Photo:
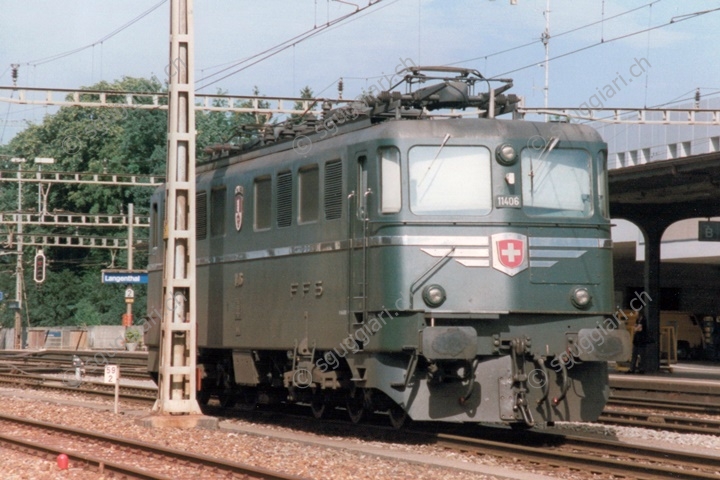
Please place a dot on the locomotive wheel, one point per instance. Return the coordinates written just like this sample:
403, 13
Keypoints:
227, 399
398, 416
319, 406
355, 404
203, 397
248, 400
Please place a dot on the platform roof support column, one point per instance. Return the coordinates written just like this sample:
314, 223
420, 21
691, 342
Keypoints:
653, 237
177, 382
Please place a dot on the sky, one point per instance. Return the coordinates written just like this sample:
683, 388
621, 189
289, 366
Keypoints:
664, 65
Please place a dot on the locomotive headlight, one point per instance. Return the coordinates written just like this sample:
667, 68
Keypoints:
581, 297
434, 296
505, 154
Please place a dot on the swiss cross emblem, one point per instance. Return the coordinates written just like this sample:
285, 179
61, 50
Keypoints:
509, 253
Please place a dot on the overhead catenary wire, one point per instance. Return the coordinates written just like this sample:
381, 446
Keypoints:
567, 32
528, 44
58, 56
672, 21
272, 51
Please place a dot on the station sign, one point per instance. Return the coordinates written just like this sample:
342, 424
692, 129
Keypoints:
709, 231
124, 276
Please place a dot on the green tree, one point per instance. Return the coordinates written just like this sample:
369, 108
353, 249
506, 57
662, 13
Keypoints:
307, 93
96, 140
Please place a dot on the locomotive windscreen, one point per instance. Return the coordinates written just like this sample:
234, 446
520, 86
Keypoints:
450, 180
557, 183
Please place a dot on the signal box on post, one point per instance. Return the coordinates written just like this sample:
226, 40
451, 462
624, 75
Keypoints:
39, 270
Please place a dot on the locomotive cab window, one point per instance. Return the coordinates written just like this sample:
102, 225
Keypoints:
450, 180
309, 191
556, 183
603, 197
391, 185
262, 214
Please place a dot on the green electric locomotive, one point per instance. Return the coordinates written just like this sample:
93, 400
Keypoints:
381, 259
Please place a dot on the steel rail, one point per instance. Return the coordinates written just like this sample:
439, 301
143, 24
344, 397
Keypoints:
204, 461
98, 389
597, 457
657, 421
669, 405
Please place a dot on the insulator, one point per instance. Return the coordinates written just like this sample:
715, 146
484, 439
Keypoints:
15, 68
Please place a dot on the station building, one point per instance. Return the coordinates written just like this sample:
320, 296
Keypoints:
690, 268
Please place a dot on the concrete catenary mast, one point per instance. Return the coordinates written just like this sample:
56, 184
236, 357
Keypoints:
177, 370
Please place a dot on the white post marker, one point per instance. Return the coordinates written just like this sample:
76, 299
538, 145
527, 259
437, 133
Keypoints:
112, 375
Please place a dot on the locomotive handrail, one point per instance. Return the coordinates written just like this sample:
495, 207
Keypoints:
445, 258
351, 238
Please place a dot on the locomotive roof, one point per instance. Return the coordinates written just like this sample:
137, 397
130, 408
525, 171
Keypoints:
393, 114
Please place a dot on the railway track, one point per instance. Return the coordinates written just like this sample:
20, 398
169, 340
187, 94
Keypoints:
581, 456
133, 365
140, 460
661, 421
631, 417
136, 393
574, 455
559, 452
667, 405
546, 452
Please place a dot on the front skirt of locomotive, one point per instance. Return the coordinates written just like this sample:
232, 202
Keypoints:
517, 387
495, 397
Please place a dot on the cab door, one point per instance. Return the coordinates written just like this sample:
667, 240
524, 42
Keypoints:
358, 218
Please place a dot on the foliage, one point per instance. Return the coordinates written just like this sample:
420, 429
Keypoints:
96, 140
227, 127
306, 92
132, 335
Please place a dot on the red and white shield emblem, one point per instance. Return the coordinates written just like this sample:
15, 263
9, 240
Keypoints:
509, 252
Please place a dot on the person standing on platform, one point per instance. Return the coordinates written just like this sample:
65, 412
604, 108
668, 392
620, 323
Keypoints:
640, 340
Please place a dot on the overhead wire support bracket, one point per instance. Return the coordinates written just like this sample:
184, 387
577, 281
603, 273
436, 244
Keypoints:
64, 241
60, 97
62, 219
630, 116
115, 179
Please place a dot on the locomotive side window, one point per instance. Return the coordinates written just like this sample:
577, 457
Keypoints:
603, 197
201, 215
333, 190
391, 185
556, 182
284, 199
309, 191
451, 180
262, 202
362, 187
217, 212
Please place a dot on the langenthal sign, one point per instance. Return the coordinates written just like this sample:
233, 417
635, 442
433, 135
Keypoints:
124, 276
